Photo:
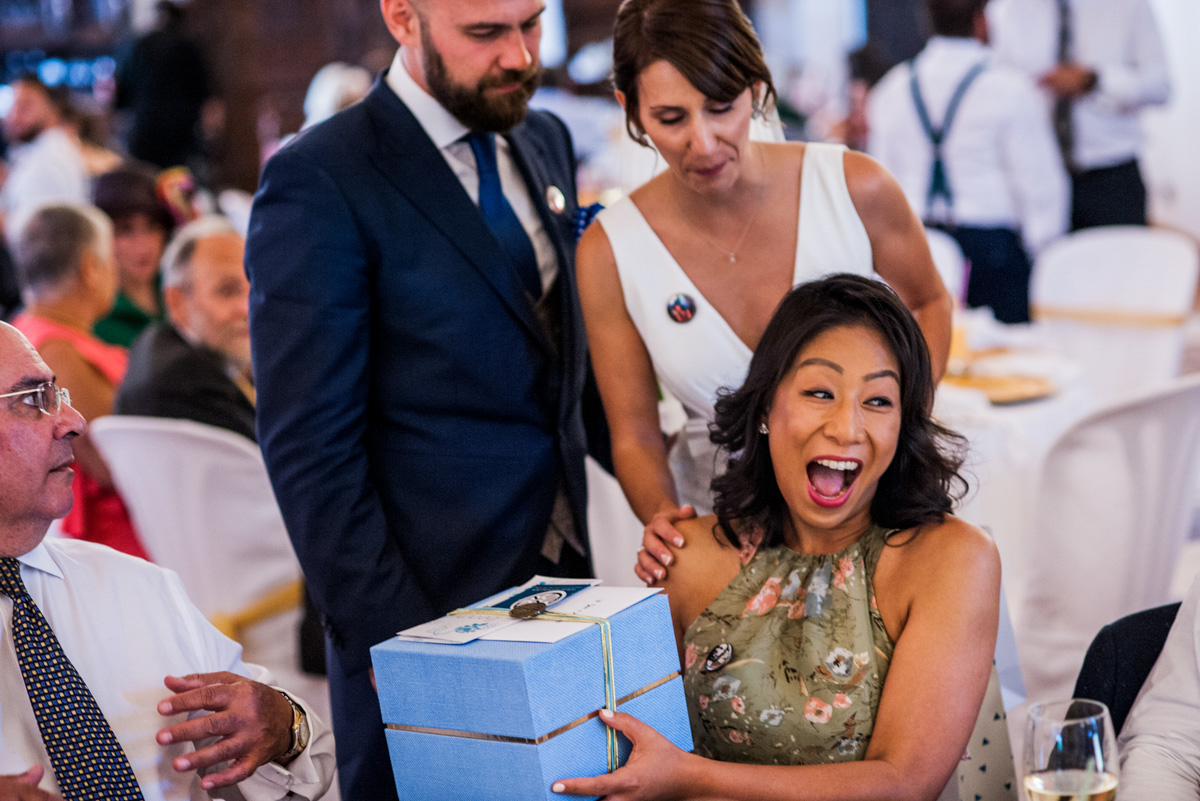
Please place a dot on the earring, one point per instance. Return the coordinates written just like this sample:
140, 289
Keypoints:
762, 428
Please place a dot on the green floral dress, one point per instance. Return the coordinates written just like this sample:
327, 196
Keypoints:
786, 666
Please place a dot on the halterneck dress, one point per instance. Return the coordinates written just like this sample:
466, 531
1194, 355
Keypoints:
786, 666
696, 357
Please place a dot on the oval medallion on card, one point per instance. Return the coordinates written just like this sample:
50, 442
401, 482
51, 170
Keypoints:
681, 308
527, 611
718, 657
555, 199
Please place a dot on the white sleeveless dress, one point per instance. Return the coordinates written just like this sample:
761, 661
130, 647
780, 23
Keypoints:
693, 360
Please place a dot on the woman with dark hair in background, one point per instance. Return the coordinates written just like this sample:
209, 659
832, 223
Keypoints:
679, 279
142, 224
836, 623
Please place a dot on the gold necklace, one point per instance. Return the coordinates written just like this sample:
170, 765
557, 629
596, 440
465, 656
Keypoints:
730, 253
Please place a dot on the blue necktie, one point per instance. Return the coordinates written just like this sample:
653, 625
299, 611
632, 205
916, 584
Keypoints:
87, 759
499, 215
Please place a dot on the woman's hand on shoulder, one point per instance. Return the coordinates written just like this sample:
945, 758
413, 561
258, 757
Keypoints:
658, 538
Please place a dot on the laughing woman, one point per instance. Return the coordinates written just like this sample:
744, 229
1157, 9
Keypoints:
836, 623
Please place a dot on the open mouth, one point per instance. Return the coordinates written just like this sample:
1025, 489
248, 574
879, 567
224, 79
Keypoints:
65, 466
830, 480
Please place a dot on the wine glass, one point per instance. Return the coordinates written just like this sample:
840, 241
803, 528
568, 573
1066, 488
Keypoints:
1070, 752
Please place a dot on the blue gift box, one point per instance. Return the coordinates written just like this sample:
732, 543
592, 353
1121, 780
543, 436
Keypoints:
501, 720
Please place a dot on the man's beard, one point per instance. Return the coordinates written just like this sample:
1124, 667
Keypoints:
471, 105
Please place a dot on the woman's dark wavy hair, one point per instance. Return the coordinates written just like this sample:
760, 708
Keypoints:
710, 42
921, 484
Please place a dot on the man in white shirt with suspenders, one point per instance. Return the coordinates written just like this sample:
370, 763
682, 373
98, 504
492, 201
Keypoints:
974, 151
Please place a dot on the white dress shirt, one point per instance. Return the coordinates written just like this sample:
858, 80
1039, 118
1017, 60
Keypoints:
1119, 39
1001, 158
49, 169
1160, 741
125, 624
447, 132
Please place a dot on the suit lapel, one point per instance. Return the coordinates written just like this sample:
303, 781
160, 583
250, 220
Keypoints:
531, 159
409, 161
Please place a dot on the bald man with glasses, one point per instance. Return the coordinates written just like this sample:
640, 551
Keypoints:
112, 685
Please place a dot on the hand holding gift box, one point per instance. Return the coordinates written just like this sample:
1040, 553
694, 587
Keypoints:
506, 716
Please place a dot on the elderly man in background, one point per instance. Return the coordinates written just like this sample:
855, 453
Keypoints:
1100, 63
47, 164
144, 690
196, 366
972, 147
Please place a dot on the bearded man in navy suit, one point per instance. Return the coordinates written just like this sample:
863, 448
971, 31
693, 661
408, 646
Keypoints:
418, 345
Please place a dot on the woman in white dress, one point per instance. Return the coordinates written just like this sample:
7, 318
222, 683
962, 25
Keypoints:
680, 278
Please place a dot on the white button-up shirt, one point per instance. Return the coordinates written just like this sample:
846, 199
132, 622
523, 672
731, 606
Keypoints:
1001, 158
125, 624
446, 132
49, 169
1119, 39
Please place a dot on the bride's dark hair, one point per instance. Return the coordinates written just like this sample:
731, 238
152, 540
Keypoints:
921, 484
710, 42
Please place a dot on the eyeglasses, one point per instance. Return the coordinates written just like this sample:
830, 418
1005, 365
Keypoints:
47, 397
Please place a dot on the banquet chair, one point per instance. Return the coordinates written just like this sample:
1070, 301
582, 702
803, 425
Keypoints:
1121, 657
203, 507
1112, 502
950, 262
1116, 299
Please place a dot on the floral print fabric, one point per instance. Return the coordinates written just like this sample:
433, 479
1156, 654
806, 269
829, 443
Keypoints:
808, 662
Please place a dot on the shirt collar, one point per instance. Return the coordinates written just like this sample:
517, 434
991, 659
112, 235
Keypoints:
440, 125
961, 44
40, 559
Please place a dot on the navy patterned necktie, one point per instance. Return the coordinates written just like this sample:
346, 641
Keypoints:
499, 215
87, 759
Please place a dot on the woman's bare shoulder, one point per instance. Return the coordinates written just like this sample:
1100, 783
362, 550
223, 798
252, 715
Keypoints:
700, 569
952, 553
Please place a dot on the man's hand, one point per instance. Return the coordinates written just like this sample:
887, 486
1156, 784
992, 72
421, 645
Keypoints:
25, 786
654, 556
1069, 80
253, 724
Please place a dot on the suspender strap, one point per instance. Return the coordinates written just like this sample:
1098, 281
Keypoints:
939, 183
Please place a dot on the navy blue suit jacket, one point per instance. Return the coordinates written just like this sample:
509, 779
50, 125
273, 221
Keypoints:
414, 418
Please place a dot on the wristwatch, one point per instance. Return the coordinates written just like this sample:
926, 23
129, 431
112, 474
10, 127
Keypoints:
300, 731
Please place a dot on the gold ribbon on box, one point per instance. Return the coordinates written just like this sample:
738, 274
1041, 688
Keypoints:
610, 689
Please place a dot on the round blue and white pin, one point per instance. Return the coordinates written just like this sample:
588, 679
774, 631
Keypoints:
681, 308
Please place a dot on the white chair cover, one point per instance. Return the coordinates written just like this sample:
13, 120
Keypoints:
203, 507
1112, 512
1116, 298
950, 262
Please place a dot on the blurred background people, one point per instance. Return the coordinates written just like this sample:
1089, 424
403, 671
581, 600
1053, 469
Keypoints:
196, 364
972, 148
1100, 63
680, 278
69, 280
336, 86
46, 165
163, 83
141, 224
